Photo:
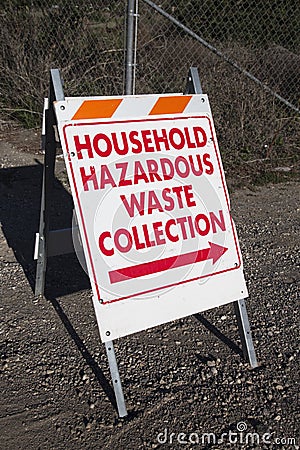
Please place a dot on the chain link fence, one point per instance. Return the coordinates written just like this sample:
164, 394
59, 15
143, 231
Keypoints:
85, 39
247, 54
261, 38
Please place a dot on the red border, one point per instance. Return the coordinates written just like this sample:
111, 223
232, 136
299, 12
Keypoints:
81, 213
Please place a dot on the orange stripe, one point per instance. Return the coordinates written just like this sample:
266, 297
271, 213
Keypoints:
97, 109
170, 105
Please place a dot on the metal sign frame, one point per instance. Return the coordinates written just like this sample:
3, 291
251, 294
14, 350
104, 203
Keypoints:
57, 242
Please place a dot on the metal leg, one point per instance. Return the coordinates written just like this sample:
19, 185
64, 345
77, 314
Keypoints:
41, 250
245, 332
49, 145
193, 85
48, 177
114, 371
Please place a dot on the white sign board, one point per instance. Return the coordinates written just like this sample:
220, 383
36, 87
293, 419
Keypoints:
152, 208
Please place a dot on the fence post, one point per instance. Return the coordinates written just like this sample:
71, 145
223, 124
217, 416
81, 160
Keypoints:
130, 44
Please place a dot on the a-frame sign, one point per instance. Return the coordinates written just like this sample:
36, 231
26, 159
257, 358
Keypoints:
152, 209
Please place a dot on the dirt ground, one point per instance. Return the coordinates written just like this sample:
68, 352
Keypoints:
185, 383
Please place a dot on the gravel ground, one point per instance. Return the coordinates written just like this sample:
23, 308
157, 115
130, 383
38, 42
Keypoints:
177, 378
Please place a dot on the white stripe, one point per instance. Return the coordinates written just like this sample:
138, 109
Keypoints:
135, 107
196, 105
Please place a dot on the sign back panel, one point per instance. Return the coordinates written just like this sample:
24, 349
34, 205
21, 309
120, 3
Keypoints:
152, 208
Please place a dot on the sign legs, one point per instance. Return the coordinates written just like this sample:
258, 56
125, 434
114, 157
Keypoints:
115, 376
245, 332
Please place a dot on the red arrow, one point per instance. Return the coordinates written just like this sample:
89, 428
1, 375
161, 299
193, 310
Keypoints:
214, 252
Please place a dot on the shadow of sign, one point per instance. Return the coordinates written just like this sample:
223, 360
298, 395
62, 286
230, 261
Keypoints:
20, 191
226, 340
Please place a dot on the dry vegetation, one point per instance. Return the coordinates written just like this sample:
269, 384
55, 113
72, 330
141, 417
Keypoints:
257, 134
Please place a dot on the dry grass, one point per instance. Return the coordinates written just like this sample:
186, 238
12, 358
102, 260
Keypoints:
256, 133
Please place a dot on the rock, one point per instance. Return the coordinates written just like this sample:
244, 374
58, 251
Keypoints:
211, 363
88, 426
